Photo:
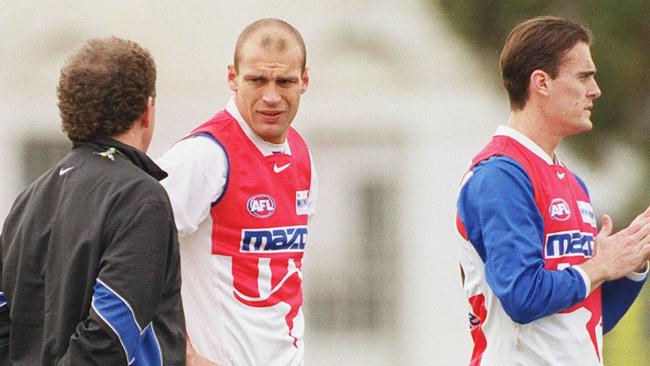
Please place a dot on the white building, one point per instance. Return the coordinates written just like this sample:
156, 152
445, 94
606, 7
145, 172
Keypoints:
395, 109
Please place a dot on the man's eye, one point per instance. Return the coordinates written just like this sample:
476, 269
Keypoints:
586, 77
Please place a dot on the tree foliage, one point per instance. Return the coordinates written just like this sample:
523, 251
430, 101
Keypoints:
621, 51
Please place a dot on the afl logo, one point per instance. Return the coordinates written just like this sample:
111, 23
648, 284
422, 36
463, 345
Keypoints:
559, 210
261, 205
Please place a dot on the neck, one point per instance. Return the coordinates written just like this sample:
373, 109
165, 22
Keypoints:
133, 137
536, 129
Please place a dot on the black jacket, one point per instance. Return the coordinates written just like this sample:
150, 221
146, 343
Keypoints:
90, 264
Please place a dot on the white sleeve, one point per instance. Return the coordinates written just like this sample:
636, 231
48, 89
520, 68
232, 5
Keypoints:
197, 168
312, 200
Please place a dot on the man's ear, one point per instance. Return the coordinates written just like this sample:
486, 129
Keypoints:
305, 80
232, 77
148, 115
540, 83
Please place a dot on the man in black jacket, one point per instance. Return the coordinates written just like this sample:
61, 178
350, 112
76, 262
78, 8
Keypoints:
90, 264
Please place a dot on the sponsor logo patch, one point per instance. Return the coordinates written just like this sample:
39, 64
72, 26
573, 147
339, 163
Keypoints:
276, 239
587, 213
559, 210
302, 202
569, 244
261, 205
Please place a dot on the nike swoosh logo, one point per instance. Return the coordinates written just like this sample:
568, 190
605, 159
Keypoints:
278, 169
560, 175
63, 171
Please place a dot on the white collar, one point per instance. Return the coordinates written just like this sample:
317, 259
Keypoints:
265, 147
528, 143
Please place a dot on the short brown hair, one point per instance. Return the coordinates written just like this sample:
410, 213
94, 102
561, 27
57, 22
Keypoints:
270, 40
103, 88
537, 44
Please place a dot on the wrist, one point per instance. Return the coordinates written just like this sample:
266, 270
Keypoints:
639, 274
596, 272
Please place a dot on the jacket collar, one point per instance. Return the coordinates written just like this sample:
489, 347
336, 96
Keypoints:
135, 156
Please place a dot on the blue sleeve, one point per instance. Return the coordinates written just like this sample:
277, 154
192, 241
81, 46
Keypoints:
498, 209
617, 297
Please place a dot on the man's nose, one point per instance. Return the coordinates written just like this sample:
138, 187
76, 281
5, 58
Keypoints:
271, 94
594, 90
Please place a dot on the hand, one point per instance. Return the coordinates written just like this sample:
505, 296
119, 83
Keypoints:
644, 266
619, 254
192, 358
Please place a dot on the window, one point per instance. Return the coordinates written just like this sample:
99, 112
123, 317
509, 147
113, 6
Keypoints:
353, 255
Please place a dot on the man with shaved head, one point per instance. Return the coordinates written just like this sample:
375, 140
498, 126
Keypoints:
242, 187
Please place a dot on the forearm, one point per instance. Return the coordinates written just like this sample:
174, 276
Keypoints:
599, 274
534, 293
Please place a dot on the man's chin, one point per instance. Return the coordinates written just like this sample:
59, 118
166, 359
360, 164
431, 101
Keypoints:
584, 127
273, 135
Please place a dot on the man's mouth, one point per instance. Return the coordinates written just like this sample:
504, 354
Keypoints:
270, 114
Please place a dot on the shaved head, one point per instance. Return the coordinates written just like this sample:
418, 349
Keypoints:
270, 33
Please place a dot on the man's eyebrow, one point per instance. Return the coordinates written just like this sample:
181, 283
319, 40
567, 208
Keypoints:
288, 78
